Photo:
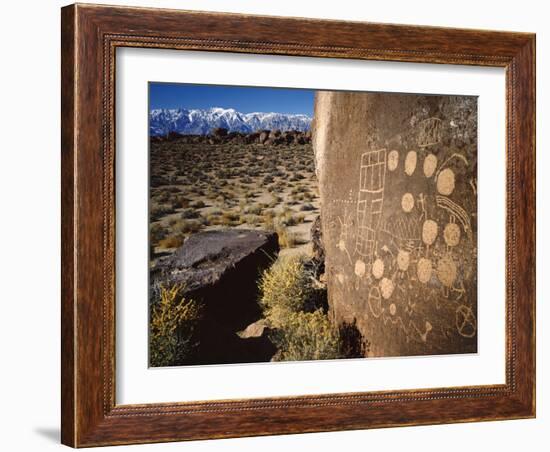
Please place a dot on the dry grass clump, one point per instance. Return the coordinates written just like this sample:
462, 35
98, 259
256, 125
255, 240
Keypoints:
287, 239
172, 241
158, 211
286, 290
230, 219
172, 327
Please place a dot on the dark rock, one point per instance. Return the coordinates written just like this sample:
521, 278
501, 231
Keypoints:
317, 244
252, 138
220, 269
274, 133
219, 132
389, 166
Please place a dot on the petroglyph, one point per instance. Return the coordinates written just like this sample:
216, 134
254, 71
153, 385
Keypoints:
456, 212
369, 205
393, 160
410, 163
446, 270
407, 242
378, 268
424, 270
386, 287
429, 232
451, 234
360, 268
446, 182
430, 164
466, 323
429, 132
403, 260
407, 202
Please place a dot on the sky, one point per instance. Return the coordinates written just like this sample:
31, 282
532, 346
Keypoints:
243, 99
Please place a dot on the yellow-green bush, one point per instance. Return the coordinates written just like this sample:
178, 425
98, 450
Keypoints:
284, 288
306, 336
172, 327
286, 291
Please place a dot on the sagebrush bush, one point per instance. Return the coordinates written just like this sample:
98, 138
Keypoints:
285, 287
306, 336
172, 327
287, 292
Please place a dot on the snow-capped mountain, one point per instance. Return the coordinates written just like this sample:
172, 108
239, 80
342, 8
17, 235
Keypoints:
202, 122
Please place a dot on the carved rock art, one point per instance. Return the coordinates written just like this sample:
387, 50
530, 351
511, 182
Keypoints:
446, 182
393, 160
410, 163
430, 165
401, 254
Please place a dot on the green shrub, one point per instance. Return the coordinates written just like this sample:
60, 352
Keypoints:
287, 293
306, 336
284, 287
172, 327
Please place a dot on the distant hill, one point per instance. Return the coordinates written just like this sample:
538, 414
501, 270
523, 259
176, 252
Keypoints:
202, 122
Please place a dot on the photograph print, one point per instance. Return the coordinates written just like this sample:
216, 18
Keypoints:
297, 225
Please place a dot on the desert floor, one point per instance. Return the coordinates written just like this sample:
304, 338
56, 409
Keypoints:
199, 187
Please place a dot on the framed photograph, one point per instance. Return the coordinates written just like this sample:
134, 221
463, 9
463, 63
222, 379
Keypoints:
281, 225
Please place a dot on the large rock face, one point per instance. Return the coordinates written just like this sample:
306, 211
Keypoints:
398, 177
221, 270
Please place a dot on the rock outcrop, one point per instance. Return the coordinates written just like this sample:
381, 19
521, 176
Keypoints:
397, 177
222, 136
220, 269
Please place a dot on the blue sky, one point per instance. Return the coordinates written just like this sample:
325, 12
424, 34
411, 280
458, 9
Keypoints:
243, 99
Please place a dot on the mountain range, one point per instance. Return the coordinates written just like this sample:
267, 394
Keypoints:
202, 122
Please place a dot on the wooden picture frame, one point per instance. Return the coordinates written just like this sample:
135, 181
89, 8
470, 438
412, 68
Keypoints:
90, 36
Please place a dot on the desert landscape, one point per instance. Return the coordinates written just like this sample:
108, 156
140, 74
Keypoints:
260, 181
276, 237
262, 296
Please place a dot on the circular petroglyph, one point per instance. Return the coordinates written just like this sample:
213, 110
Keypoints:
429, 232
386, 287
410, 163
466, 323
407, 202
393, 160
446, 270
446, 182
378, 268
360, 268
430, 164
424, 270
375, 302
403, 260
393, 309
451, 234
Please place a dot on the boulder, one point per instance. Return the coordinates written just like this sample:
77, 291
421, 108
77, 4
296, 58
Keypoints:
256, 329
397, 175
264, 135
220, 269
219, 132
